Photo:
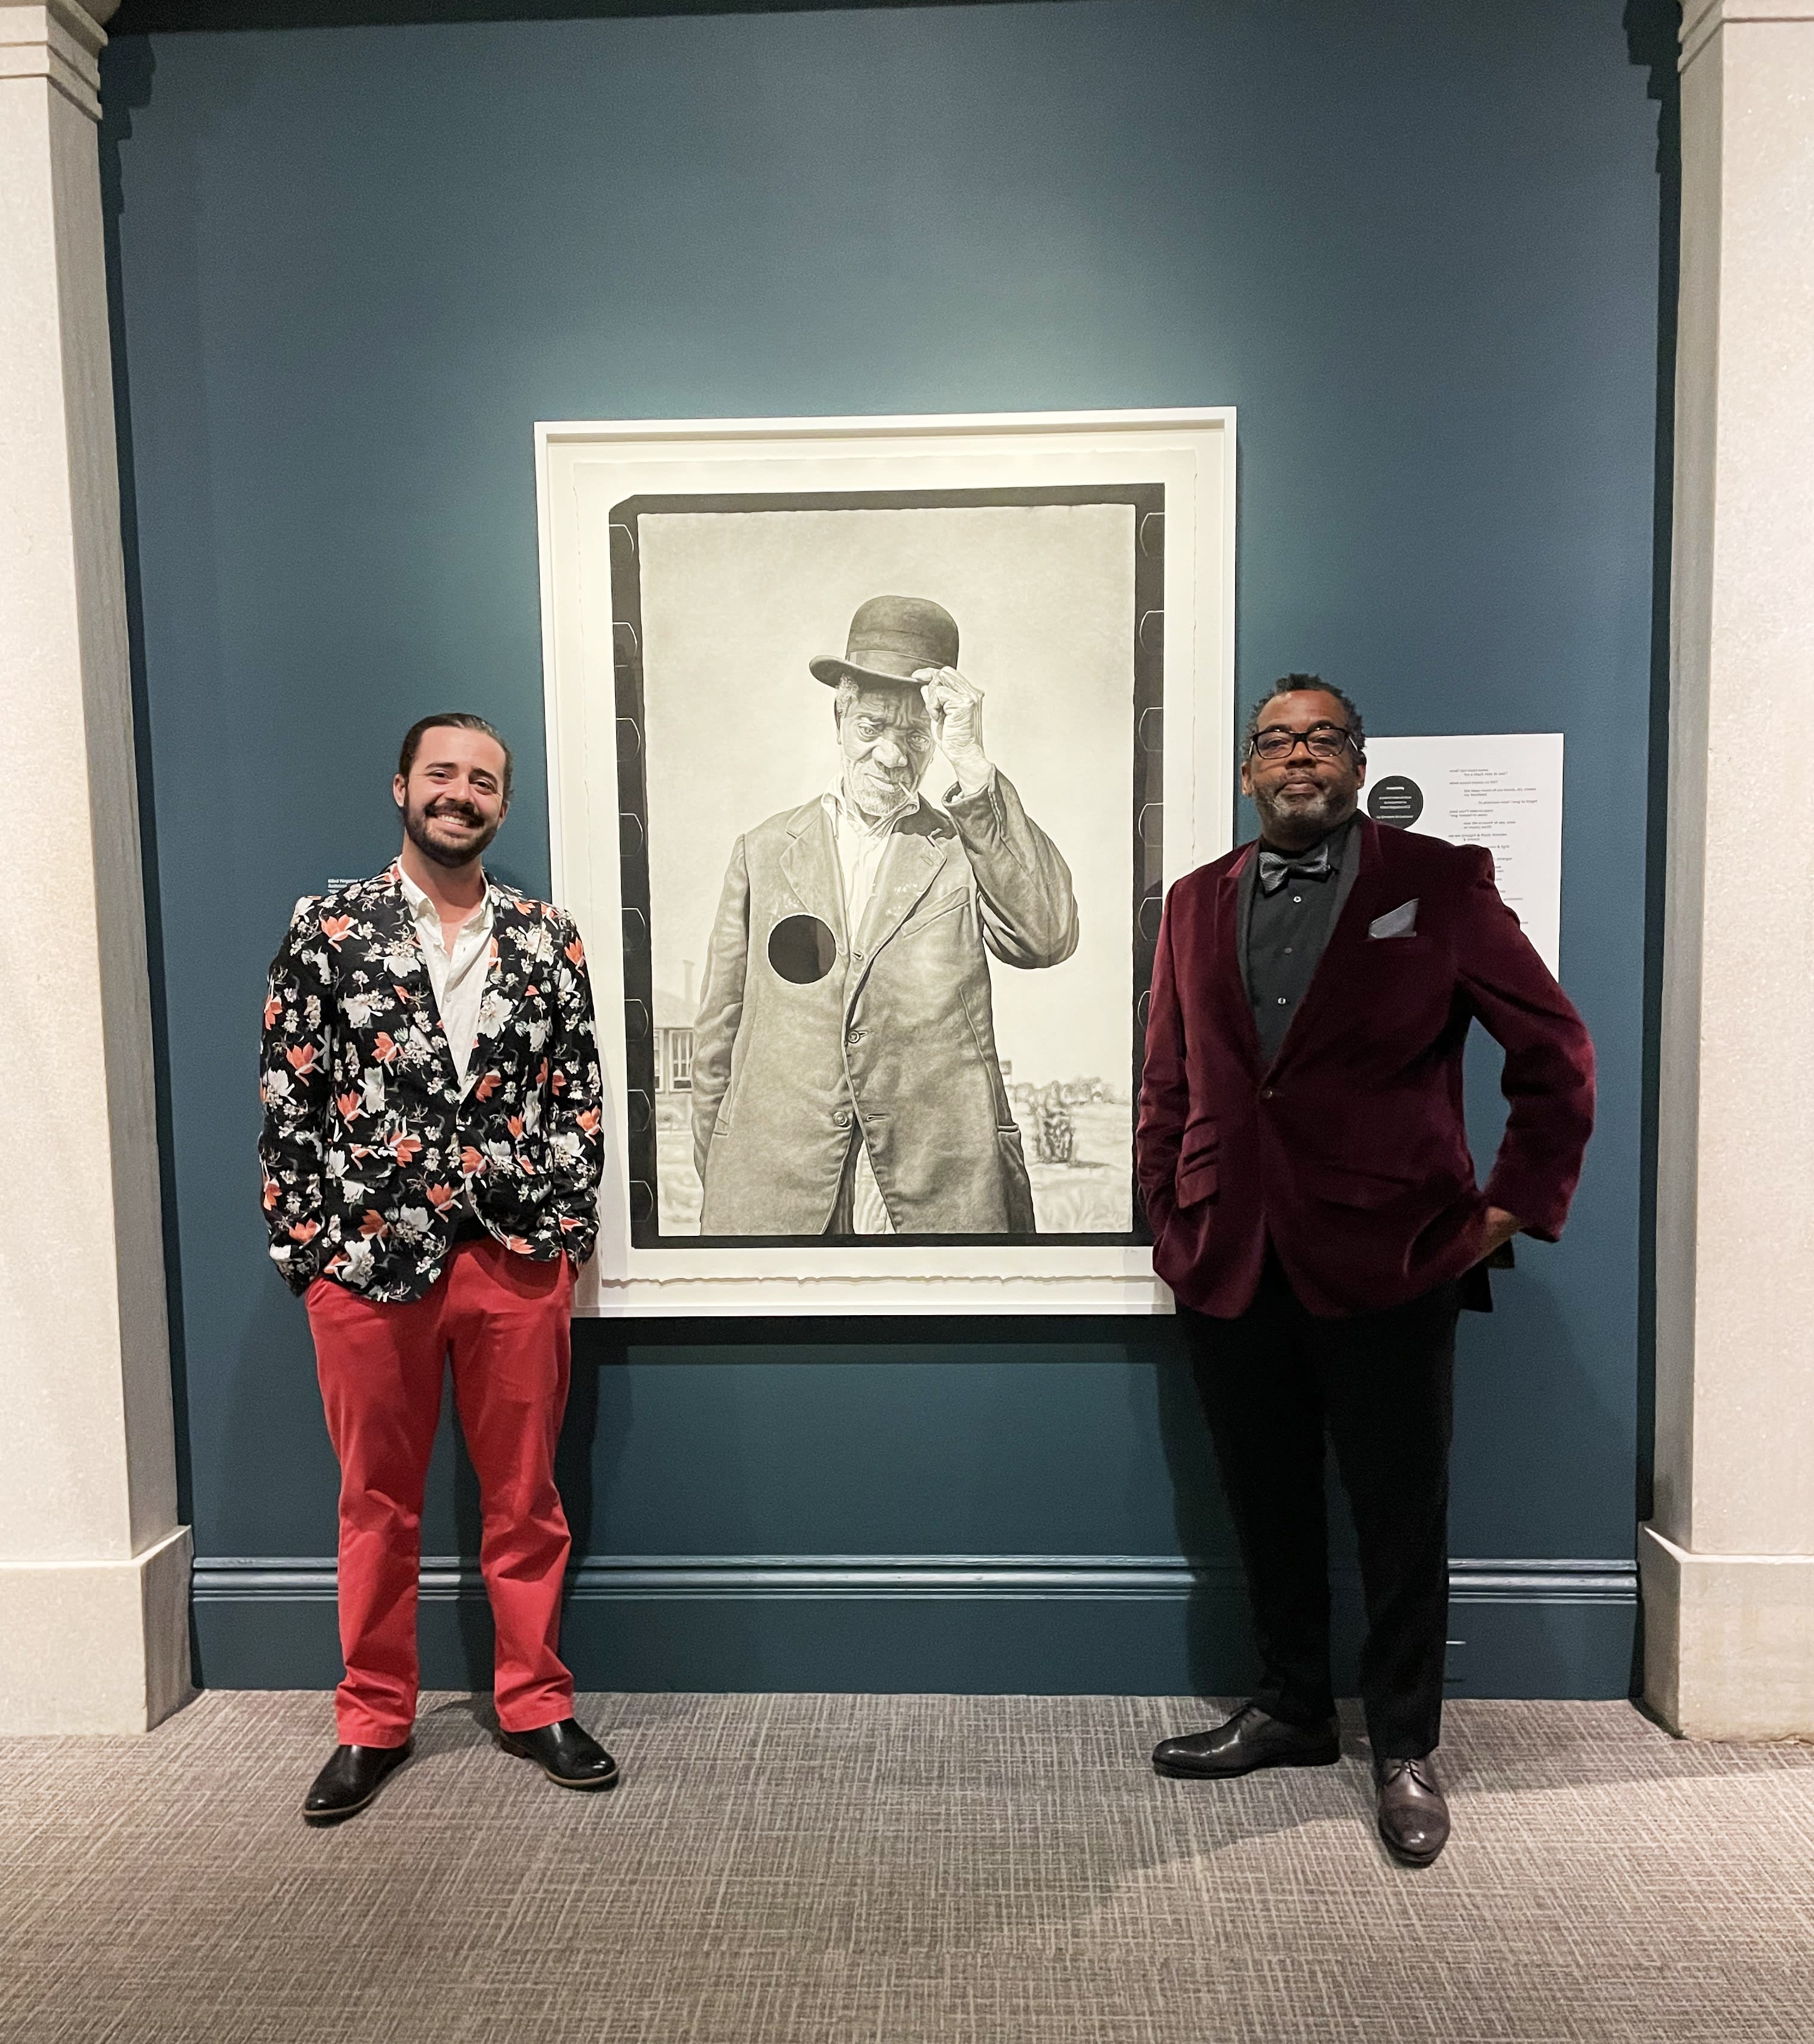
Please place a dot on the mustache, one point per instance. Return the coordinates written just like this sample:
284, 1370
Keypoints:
449, 808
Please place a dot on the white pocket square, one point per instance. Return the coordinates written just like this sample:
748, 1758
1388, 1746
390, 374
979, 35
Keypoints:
1401, 922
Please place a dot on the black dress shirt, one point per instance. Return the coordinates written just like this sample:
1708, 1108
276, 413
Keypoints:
1286, 933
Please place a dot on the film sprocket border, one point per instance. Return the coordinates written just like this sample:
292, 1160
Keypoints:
1145, 822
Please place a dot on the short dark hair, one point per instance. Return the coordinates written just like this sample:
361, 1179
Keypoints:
1291, 685
454, 720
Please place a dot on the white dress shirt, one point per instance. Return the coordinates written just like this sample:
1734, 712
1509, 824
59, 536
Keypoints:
861, 846
458, 976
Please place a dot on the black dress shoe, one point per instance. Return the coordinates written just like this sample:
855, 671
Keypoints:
566, 1753
354, 1774
1414, 1818
1248, 1741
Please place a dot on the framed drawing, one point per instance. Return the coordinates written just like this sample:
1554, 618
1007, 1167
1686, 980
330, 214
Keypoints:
873, 744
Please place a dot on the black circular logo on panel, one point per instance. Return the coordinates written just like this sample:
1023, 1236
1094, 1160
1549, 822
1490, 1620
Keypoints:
1397, 800
802, 949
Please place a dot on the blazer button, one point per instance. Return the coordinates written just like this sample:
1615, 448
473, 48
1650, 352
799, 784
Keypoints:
1265, 1093
842, 1117
855, 1036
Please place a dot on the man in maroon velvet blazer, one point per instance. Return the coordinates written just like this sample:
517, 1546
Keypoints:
1306, 1172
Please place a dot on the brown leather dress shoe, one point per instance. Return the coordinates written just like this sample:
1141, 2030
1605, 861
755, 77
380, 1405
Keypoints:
1246, 1742
1414, 1818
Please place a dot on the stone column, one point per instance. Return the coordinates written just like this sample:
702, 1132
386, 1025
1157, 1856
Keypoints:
1728, 1562
93, 1566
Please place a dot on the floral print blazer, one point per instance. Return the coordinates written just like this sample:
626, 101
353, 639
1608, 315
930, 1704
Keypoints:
368, 1148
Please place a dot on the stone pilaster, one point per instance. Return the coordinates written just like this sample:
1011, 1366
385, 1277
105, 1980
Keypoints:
1728, 1560
93, 1566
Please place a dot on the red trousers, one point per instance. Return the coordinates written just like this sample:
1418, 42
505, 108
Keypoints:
506, 1321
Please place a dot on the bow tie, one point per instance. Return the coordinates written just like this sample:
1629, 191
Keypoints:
1277, 867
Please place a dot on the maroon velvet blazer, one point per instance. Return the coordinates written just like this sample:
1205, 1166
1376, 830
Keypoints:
1350, 1150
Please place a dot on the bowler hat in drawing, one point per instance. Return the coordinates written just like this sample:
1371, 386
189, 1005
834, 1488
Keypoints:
892, 637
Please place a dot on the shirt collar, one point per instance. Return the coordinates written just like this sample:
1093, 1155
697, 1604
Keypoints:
1336, 841
423, 910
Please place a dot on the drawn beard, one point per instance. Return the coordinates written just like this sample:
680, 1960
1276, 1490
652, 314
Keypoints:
417, 827
874, 792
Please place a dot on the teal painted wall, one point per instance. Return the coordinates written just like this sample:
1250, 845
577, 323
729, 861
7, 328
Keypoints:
1417, 245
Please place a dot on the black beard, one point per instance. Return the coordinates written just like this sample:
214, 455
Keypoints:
416, 828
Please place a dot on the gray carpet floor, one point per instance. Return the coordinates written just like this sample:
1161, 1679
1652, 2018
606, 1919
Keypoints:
849, 1869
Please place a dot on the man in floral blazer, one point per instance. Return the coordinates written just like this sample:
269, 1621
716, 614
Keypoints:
431, 1156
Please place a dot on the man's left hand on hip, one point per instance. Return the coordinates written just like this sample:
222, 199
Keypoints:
1497, 1227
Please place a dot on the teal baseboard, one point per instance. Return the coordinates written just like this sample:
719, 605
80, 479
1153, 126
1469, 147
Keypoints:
1138, 1625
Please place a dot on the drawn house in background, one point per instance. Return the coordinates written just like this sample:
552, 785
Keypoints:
674, 1019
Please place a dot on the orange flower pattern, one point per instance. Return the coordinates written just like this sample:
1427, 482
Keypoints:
352, 1039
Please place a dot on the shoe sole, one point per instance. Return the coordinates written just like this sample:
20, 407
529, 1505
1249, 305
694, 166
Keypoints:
563, 1781
325, 1819
1180, 1773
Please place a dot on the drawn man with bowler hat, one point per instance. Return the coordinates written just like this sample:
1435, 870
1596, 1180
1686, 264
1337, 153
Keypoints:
845, 1079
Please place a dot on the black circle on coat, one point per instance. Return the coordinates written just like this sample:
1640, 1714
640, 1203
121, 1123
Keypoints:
802, 949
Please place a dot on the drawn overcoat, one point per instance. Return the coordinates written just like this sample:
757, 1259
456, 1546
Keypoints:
895, 1036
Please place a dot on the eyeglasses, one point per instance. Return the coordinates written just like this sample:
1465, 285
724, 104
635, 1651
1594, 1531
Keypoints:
1321, 741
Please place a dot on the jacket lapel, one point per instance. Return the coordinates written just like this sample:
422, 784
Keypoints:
508, 915
1235, 896
913, 858
809, 865
1247, 879
399, 959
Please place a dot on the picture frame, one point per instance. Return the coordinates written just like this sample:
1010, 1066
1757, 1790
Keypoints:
698, 579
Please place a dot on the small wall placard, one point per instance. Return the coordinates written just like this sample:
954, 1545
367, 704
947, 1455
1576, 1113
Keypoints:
1504, 792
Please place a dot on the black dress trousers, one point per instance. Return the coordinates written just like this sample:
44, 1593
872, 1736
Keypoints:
1381, 1386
